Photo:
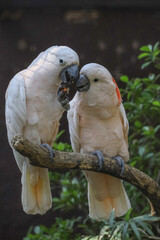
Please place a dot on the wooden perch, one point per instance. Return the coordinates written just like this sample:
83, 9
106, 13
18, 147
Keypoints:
39, 156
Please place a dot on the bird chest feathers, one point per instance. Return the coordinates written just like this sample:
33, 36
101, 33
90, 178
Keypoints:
44, 123
105, 134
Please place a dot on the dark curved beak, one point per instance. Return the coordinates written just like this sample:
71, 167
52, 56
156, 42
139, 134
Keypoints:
83, 83
69, 74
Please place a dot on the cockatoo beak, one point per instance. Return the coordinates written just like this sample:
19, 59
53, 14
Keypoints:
69, 74
83, 83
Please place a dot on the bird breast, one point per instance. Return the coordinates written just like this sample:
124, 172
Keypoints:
97, 134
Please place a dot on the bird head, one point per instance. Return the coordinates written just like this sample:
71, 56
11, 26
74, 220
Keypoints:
67, 62
97, 86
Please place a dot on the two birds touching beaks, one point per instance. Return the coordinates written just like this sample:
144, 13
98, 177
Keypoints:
35, 101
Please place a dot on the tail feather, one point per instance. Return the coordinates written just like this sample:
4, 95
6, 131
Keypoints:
104, 194
43, 191
36, 193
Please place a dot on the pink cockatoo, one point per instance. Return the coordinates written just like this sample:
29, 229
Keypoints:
32, 109
98, 125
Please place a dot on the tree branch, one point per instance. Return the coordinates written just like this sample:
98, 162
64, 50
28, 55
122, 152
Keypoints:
39, 156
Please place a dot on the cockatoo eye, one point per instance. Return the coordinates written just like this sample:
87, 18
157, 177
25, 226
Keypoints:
61, 61
96, 80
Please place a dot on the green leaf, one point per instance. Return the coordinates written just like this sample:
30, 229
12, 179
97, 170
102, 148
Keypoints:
135, 230
156, 53
157, 128
138, 124
145, 128
156, 103
124, 234
111, 218
145, 64
117, 230
150, 47
59, 134
147, 217
37, 230
145, 49
142, 55
141, 150
149, 155
26, 238
147, 96
155, 46
133, 163
157, 77
151, 76
157, 65
127, 216
124, 78
145, 227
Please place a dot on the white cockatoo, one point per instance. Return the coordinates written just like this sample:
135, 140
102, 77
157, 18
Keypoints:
33, 110
97, 121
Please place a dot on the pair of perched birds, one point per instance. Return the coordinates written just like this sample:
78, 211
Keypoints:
35, 102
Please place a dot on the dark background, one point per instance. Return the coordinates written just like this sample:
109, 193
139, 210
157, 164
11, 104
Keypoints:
106, 32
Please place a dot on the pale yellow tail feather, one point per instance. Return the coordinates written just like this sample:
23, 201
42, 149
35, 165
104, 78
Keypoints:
36, 193
105, 195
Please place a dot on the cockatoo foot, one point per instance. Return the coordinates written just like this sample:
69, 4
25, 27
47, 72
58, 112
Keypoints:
100, 157
48, 147
62, 96
120, 162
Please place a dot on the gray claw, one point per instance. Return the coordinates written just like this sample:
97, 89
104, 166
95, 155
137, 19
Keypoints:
63, 97
100, 157
65, 104
48, 147
121, 163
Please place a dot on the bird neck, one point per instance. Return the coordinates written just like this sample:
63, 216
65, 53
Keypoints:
96, 111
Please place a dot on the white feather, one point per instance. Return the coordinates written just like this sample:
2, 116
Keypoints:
73, 121
15, 111
125, 122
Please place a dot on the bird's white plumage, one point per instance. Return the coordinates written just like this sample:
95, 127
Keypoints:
16, 112
98, 122
124, 122
33, 110
73, 121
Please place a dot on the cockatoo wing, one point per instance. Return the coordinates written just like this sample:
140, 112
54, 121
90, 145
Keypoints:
36, 194
73, 121
15, 111
124, 122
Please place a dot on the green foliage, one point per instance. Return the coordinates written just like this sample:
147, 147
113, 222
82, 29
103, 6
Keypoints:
61, 229
60, 146
72, 192
142, 103
128, 228
151, 54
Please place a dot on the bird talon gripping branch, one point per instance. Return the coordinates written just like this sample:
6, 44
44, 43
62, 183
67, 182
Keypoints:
121, 163
50, 150
100, 157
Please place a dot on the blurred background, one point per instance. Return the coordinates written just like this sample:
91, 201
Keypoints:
109, 32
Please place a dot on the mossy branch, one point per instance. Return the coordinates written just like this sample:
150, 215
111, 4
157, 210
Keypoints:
39, 156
